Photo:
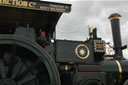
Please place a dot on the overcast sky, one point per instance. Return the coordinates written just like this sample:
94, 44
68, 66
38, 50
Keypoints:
95, 13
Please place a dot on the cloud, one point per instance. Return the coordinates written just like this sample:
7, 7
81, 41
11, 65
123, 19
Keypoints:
74, 26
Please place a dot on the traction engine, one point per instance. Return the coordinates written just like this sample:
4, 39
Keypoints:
29, 57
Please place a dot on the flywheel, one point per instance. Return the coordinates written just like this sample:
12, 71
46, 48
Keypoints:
24, 62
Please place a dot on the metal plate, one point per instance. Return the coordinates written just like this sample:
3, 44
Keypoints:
82, 51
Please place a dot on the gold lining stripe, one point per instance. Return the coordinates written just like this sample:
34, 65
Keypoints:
120, 70
115, 17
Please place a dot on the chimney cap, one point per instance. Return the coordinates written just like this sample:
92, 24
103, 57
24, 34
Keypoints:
114, 16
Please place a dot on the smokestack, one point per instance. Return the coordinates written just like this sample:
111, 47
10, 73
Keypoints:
115, 24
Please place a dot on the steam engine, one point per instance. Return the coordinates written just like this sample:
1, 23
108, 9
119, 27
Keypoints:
30, 54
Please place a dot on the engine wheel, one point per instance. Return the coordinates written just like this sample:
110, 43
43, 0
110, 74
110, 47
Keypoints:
24, 62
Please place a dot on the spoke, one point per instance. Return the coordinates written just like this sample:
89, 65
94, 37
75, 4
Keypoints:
27, 79
33, 66
17, 69
2, 68
13, 54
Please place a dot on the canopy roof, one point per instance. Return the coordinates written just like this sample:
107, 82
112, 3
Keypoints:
37, 14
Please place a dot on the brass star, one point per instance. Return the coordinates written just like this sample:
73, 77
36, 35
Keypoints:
82, 51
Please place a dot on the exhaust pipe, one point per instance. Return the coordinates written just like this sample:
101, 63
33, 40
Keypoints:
115, 24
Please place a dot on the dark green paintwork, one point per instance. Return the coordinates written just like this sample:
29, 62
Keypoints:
36, 49
83, 77
110, 67
66, 51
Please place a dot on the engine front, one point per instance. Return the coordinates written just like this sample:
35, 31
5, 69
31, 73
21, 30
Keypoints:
86, 61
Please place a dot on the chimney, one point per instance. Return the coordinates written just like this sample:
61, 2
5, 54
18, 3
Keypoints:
115, 24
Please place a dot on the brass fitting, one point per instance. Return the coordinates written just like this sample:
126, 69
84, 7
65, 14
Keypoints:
66, 67
90, 31
114, 16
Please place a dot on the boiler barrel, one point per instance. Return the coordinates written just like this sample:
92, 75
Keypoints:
117, 69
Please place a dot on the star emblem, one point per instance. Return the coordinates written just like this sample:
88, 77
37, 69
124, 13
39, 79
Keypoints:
82, 51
